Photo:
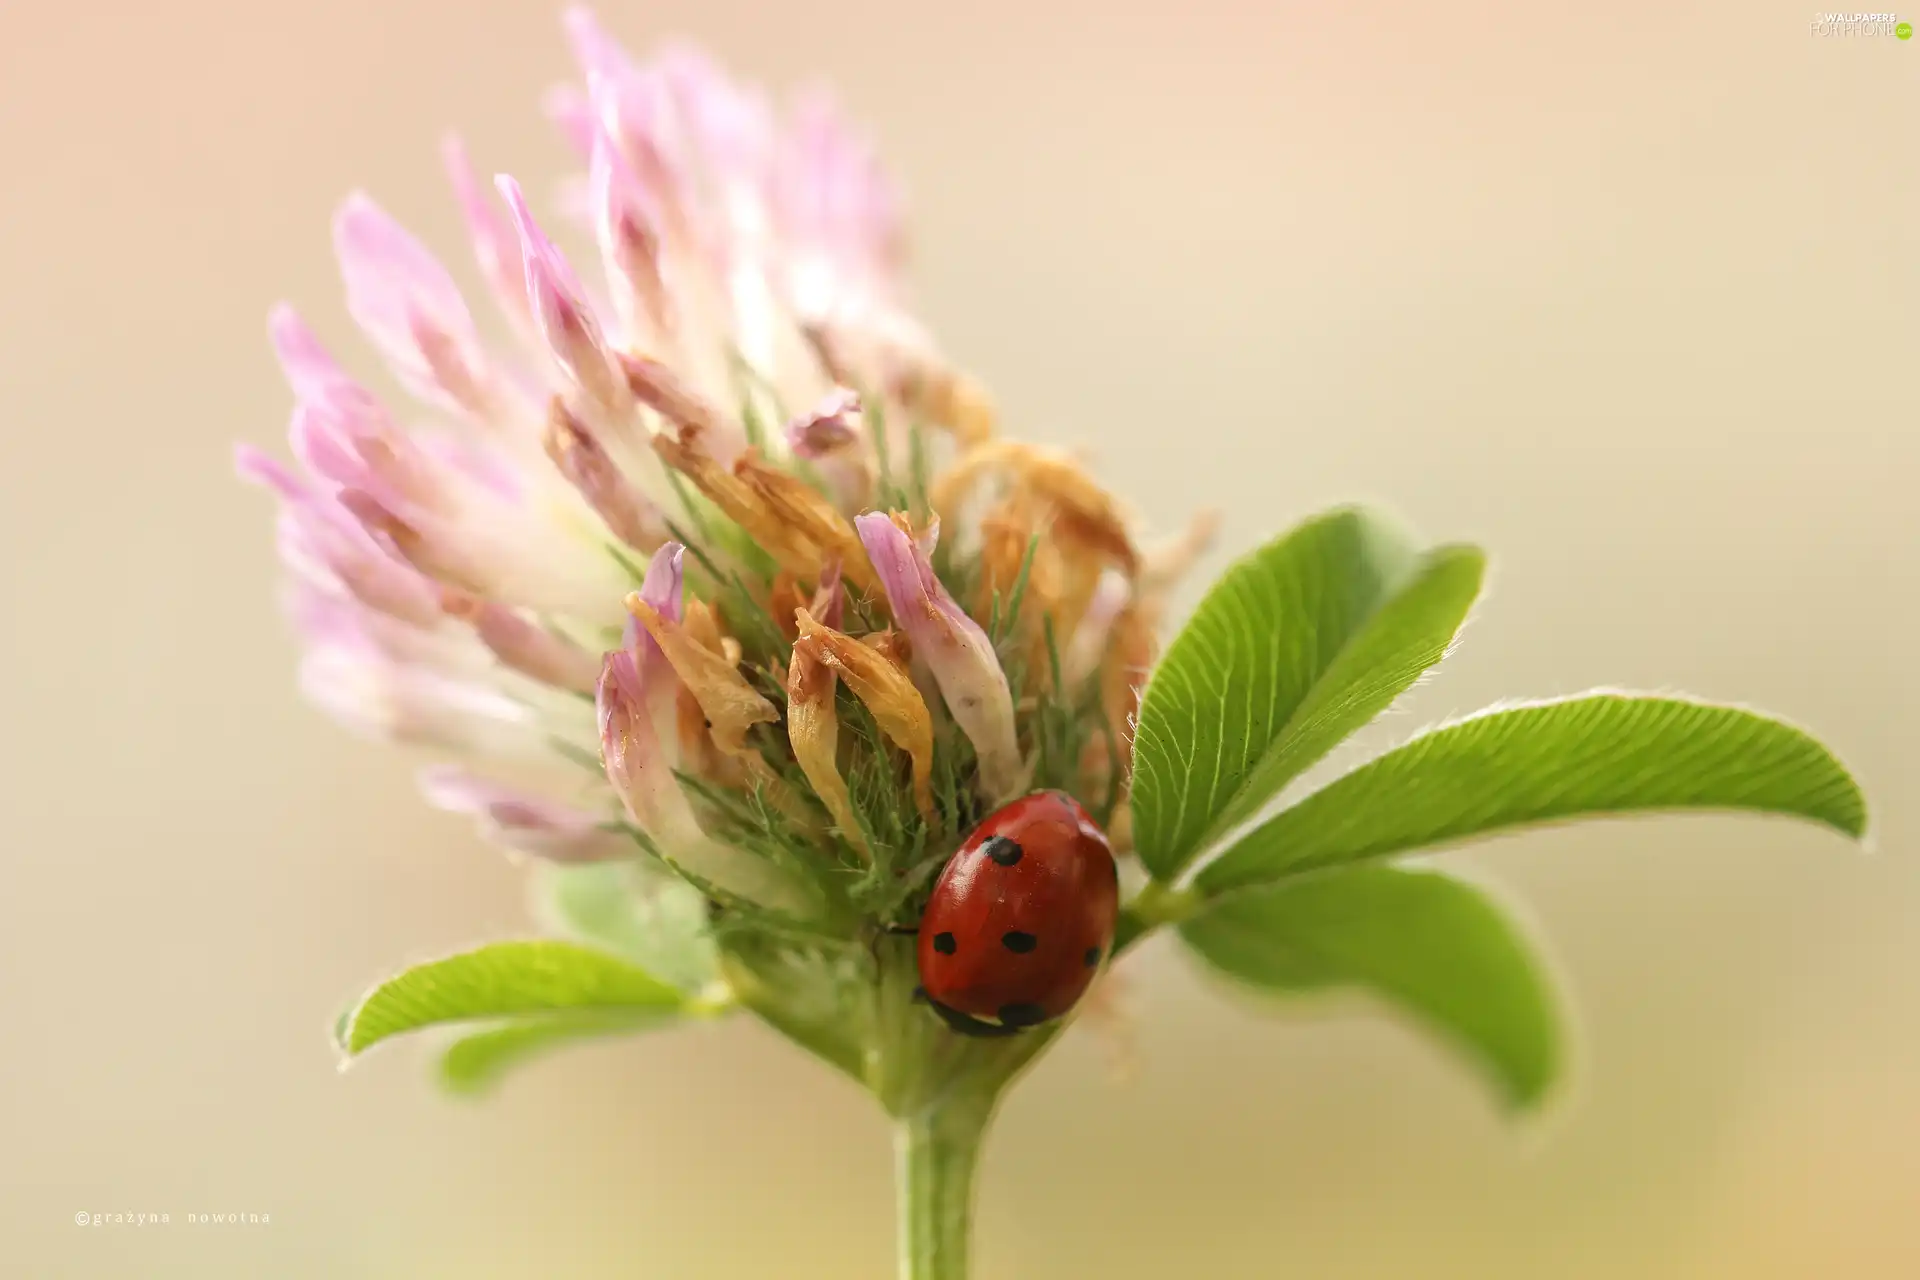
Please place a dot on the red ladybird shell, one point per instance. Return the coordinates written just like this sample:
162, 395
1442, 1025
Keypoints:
1023, 915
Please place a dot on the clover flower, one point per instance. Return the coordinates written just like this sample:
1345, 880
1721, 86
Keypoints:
747, 390
739, 611
668, 570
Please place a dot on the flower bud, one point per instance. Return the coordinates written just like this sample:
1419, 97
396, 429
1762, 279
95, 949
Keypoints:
833, 425
527, 648
343, 435
838, 211
953, 647
322, 617
525, 822
322, 543
308, 367
424, 543
371, 692
496, 249
407, 303
699, 425
592, 471
560, 309
571, 111
832, 437
627, 226
598, 53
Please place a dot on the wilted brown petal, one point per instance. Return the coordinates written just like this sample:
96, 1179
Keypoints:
707, 660
1005, 534
730, 704
803, 510
829, 597
697, 751
947, 398
885, 690
917, 376
741, 504
893, 646
782, 601
698, 424
1084, 513
813, 726
956, 481
1079, 582
703, 625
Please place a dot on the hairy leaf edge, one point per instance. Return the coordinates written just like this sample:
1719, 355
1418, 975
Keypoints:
346, 1024
1859, 831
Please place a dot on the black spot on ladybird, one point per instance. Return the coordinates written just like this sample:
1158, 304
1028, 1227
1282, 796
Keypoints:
944, 943
1018, 941
1093, 957
1021, 1014
1002, 850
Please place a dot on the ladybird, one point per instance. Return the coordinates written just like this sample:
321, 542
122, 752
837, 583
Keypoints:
1021, 918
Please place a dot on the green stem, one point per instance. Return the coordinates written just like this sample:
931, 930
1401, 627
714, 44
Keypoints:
1153, 906
935, 1154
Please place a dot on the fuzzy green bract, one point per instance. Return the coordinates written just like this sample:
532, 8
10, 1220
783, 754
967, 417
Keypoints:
1306, 640
636, 909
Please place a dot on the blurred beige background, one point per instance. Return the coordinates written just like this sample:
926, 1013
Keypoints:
1629, 293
